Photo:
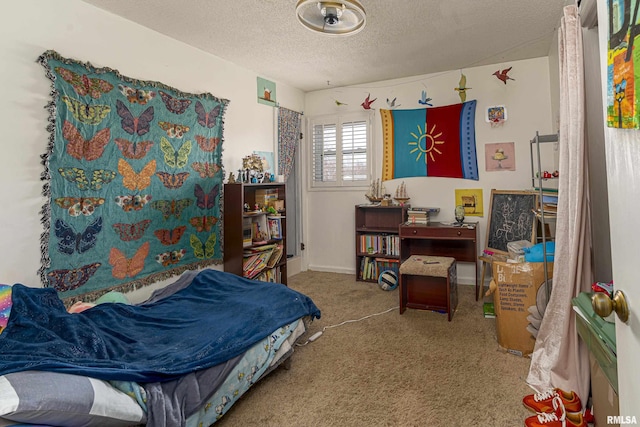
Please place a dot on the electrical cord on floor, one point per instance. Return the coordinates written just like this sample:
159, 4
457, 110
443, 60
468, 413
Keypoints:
318, 334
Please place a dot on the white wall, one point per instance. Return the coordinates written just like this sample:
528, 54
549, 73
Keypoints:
329, 234
80, 31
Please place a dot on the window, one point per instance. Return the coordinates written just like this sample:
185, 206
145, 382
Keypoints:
341, 151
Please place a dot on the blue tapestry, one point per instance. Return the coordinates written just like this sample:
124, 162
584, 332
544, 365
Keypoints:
133, 178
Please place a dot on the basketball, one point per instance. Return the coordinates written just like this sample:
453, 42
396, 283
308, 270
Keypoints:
388, 280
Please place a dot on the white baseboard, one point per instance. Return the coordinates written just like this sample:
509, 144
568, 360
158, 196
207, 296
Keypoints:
462, 280
326, 269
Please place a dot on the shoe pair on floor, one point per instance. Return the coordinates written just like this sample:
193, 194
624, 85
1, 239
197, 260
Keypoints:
554, 408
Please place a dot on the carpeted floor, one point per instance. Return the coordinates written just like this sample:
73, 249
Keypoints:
415, 369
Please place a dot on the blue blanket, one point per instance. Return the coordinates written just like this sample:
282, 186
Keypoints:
217, 317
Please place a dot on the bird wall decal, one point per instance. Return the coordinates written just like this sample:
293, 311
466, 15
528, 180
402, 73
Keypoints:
366, 104
424, 100
502, 75
462, 87
338, 103
392, 103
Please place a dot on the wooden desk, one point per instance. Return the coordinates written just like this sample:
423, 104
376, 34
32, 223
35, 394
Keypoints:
438, 239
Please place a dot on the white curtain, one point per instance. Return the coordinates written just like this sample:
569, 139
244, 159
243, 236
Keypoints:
560, 359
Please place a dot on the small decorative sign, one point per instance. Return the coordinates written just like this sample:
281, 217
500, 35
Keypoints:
266, 92
496, 115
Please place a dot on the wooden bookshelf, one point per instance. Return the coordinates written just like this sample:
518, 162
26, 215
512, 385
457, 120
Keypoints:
377, 239
240, 228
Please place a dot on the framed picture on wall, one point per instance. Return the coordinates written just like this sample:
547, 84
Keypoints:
496, 114
471, 200
500, 156
266, 92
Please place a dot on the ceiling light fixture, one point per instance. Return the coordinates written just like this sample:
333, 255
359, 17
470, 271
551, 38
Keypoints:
335, 18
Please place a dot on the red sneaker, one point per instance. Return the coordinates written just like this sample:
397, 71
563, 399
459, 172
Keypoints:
552, 420
542, 402
558, 418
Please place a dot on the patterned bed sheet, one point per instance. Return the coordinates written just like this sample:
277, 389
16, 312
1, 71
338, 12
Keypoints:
254, 364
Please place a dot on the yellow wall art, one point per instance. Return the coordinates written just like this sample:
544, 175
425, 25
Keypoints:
471, 199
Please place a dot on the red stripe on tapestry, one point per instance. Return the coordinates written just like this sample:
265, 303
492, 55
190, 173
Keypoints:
443, 141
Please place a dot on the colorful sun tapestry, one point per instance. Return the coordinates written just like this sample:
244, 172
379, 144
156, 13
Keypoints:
133, 176
438, 141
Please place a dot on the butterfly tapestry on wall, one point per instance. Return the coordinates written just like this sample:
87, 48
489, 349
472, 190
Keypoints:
80, 148
130, 232
79, 205
71, 241
84, 85
134, 125
136, 96
175, 105
86, 113
131, 166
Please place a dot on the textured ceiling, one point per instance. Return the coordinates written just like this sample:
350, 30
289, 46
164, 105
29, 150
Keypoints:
402, 38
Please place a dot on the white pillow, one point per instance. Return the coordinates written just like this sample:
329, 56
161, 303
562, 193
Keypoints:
39, 397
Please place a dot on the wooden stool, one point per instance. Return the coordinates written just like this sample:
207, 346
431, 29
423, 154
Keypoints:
429, 283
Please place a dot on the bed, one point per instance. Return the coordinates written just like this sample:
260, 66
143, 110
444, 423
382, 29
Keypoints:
181, 358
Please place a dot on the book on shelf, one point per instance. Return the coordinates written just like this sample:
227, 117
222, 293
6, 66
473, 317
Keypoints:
367, 269
418, 218
549, 212
256, 259
247, 232
274, 224
384, 244
489, 310
419, 209
414, 220
254, 264
384, 264
420, 215
272, 275
371, 267
547, 190
256, 249
276, 256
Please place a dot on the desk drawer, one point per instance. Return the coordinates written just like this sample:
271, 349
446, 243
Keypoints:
421, 231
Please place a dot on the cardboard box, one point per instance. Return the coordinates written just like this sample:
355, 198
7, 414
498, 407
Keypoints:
519, 293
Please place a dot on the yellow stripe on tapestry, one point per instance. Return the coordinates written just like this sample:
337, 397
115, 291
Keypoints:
387, 144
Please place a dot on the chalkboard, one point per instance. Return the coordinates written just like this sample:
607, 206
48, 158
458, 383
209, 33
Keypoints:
511, 218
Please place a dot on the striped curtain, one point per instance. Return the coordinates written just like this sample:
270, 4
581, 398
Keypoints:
289, 125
